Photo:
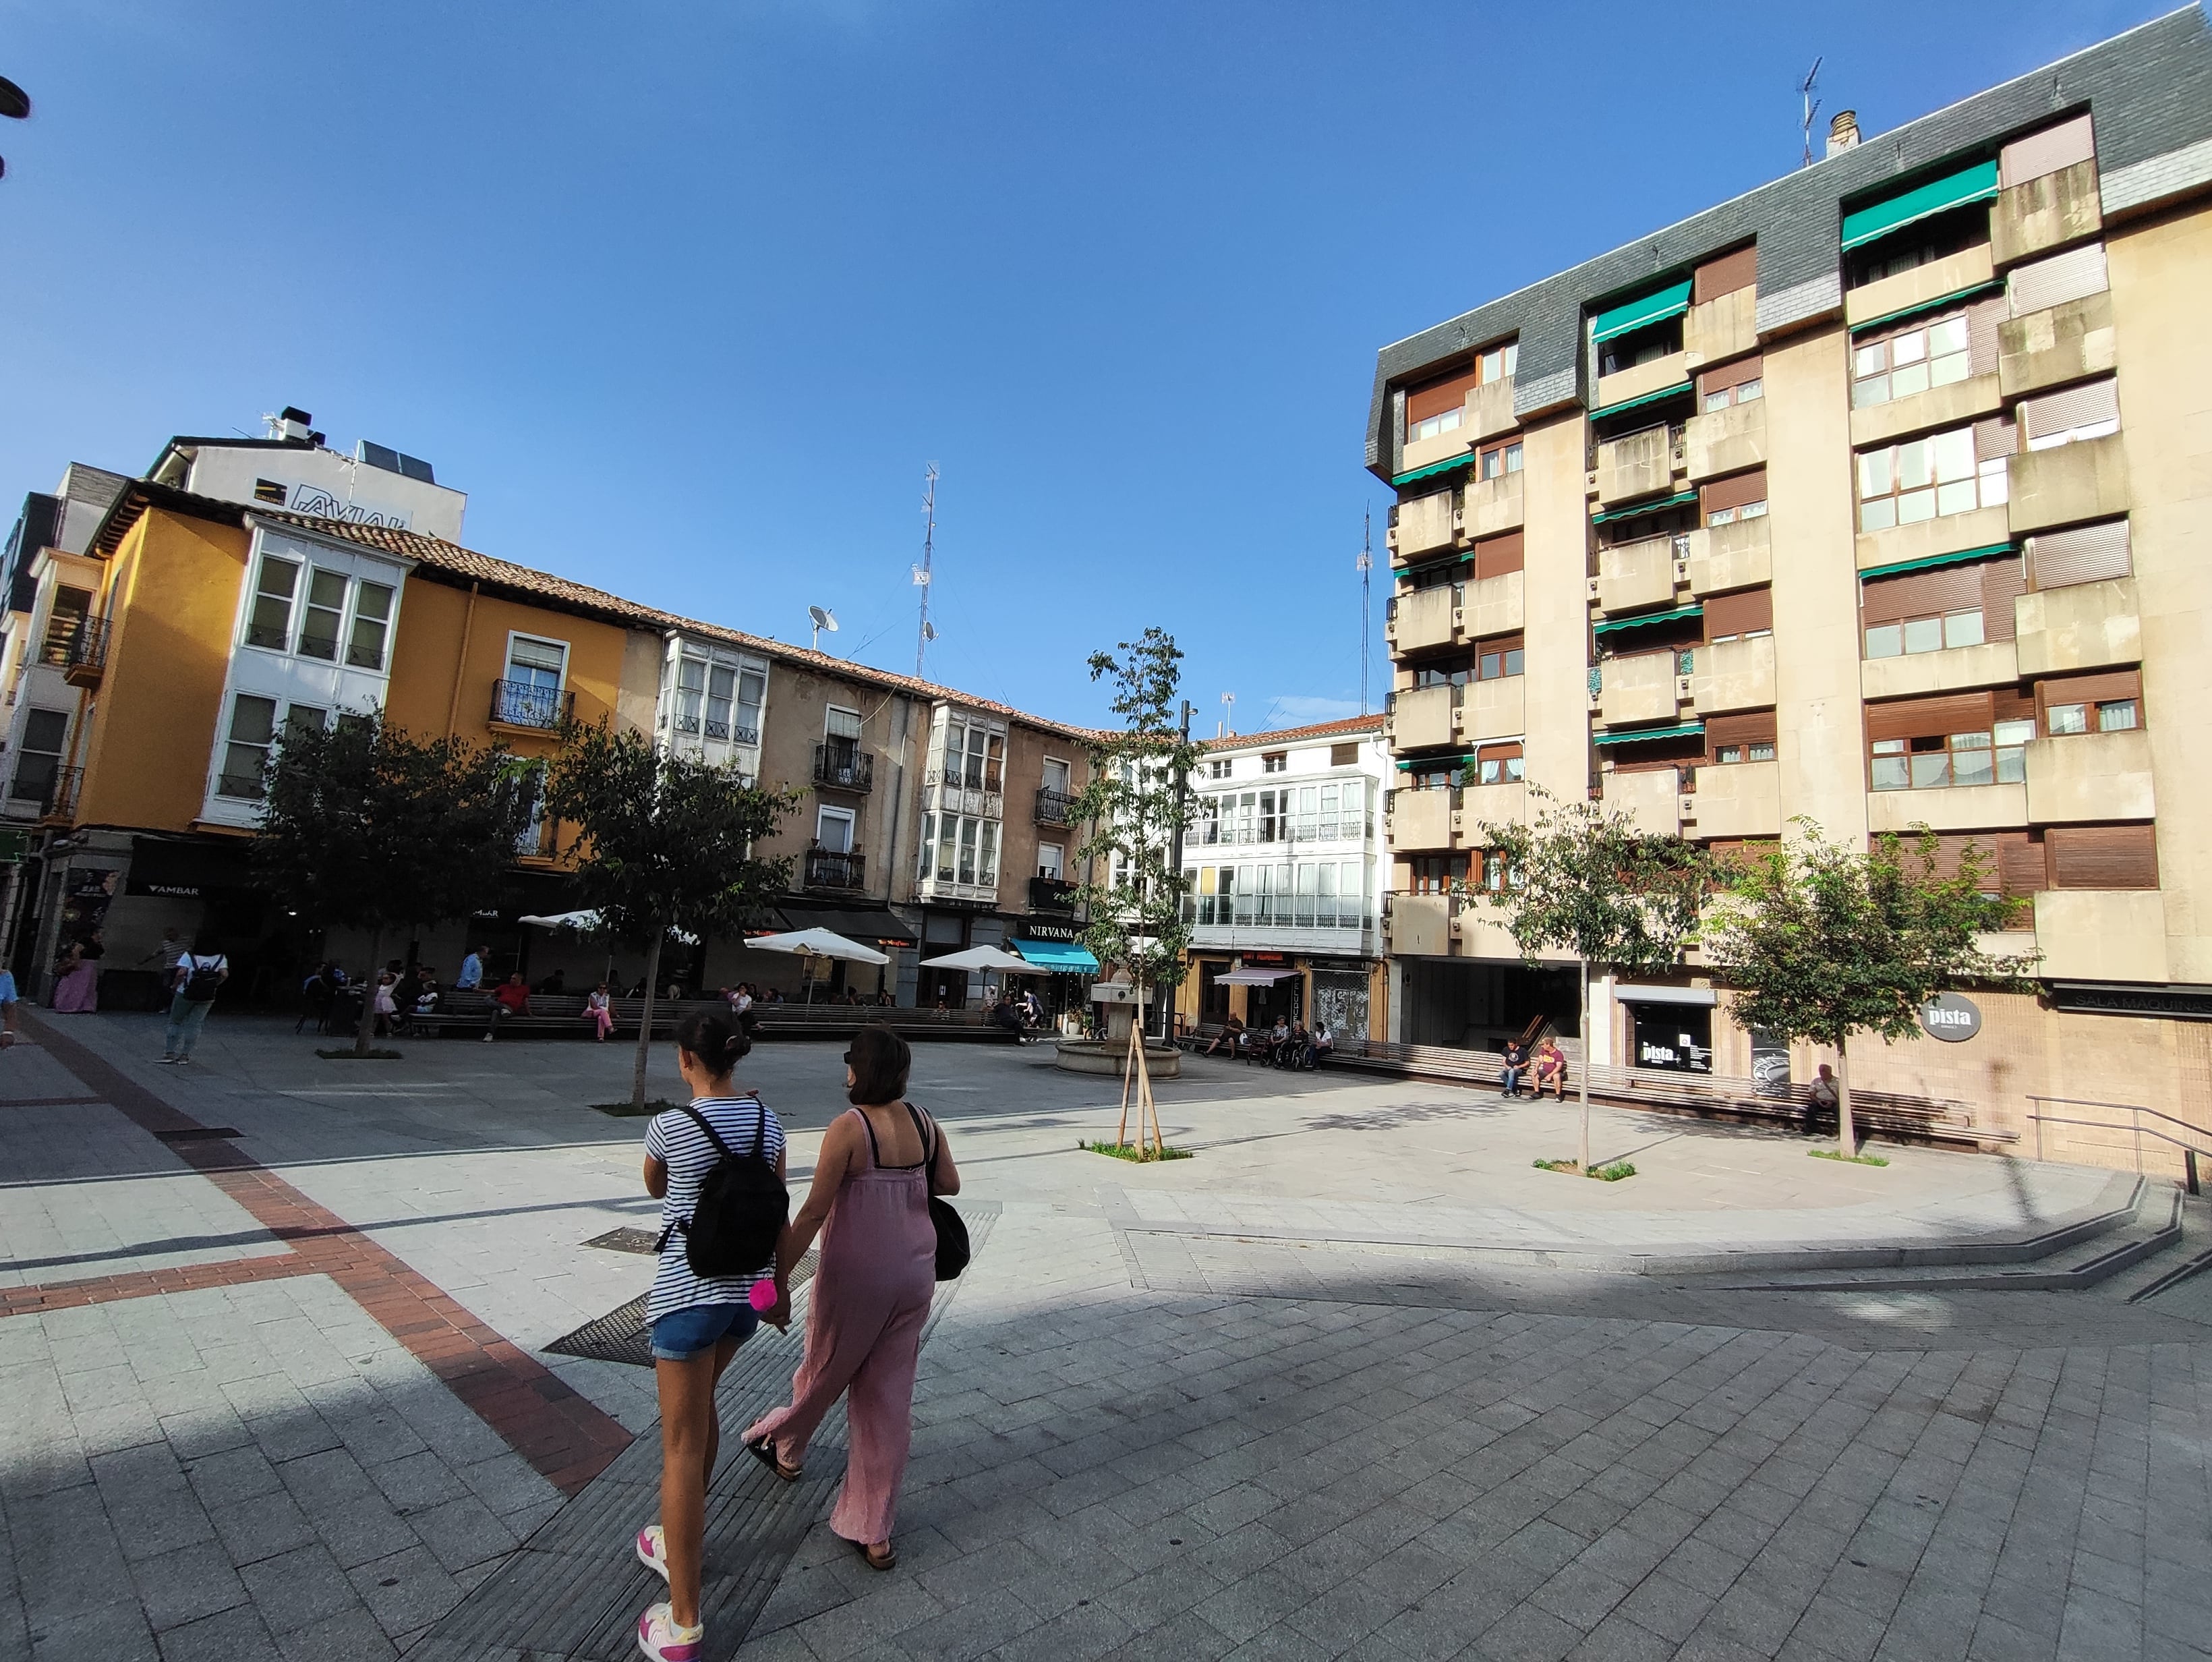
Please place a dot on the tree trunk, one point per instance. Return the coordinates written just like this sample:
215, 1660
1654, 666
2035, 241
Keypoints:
1582, 1073
1846, 1136
367, 1024
645, 1021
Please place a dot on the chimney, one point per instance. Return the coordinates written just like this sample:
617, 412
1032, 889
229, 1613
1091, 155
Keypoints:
1843, 132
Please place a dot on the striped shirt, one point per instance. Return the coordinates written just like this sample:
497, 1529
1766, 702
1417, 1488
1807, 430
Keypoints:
673, 1138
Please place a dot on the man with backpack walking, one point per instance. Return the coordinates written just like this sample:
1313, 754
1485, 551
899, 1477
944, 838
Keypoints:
199, 975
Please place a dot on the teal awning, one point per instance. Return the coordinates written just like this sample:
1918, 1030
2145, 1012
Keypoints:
1055, 954
1929, 563
1431, 763
1679, 499
1695, 609
1634, 735
1435, 565
1976, 184
1670, 303
1400, 480
1631, 404
1960, 298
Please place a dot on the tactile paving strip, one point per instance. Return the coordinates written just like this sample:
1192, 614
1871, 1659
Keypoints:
621, 1335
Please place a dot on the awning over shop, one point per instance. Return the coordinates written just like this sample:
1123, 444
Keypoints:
1063, 956
1695, 609
1252, 977
1671, 301
1664, 393
1929, 562
1665, 995
1976, 184
1432, 470
1677, 500
187, 870
1637, 735
880, 929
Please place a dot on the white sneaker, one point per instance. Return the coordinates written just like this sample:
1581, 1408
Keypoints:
653, 1550
659, 1638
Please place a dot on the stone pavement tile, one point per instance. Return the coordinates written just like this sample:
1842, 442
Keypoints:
1618, 1639
973, 1629
1842, 1628
1581, 1596
1999, 1640
1666, 1606
2095, 1625
1187, 1635
261, 1527
184, 1584
233, 1635
852, 1628
1528, 1635
462, 1532
303, 1586
113, 1630
239, 1473
1250, 1605
1281, 1644
416, 1482
405, 1589
351, 1636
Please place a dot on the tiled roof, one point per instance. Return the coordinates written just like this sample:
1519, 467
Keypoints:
454, 564
1343, 729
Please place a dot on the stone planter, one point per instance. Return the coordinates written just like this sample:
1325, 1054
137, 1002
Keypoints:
1090, 1055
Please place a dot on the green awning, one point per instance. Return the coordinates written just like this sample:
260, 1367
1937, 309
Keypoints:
1637, 735
1695, 609
1435, 565
1679, 499
1631, 404
1929, 563
1668, 302
1935, 304
1976, 184
1398, 481
1430, 763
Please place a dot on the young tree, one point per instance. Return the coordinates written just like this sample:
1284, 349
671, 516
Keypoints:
1822, 941
367, 827
663, 843
1589, 882
1137, 804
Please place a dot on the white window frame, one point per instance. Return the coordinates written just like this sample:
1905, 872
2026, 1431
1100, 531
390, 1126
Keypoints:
507, 663
846, 817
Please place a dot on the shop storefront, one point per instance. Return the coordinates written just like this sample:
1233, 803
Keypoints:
1057, 947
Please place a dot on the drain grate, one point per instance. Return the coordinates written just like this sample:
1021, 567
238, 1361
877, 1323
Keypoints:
199, 1133
621, 1335
626, 1240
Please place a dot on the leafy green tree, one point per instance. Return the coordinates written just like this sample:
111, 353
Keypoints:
368, 828
1136, 805
1823, 941
1586, 881
662, 844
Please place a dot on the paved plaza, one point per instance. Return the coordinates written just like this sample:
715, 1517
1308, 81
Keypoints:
1357, 1380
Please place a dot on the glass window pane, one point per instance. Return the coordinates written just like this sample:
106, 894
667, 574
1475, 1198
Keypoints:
1889, 773
1879, 515
1962, 629
1948, 336
1914, 506
1716, 401
1916, 464
1905, 382
2067, 718
1749, 390
1923, 634
1954, 455
269, 625
2014, 732
1973, 768
372, 611
1763, 750
1956, 497
1752, 511
1947, 371
2116, 716
1885, 641
1513, 661
1996, 482
1889, 747
2012, 765
1930, 770
1870, 359
1720, 517
1908, 348
1874, 473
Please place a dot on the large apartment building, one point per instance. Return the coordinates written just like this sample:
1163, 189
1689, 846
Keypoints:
1881, 495
161, 635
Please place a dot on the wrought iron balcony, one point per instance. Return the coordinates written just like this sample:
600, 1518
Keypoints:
55, 794
85, 656
519, 705
843, 767
1054, 808
1052, 894
829, 869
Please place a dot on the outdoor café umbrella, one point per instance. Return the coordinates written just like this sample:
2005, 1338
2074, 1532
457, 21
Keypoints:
817, 943
985, 959
589, 922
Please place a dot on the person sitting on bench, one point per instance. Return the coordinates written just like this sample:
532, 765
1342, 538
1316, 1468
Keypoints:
511, 1000
1552, 1070
1231, 1030
1509, 1076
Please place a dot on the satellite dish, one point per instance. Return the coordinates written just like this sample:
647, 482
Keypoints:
928, 630
14, 102
822, 618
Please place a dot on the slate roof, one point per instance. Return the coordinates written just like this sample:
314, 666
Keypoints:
2149, 92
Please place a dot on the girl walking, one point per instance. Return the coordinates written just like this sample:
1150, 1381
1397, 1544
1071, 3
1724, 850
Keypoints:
879, 1164
697, 1325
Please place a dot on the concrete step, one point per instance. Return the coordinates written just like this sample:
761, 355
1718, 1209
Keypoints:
2086, 1254
2191, 1256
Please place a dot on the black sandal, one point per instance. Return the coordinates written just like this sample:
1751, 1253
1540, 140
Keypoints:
888, 1560
764, 1451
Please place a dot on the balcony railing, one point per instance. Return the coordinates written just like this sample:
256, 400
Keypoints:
55, 794
826, 869
1054, 808
844, 767
1052, 894
519, 705
86, 655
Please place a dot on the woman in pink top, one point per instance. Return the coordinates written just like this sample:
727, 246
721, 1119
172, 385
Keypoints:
879, 1165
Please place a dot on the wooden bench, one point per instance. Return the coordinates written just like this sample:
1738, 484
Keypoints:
561, 1016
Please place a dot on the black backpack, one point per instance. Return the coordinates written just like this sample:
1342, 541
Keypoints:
203, 980
741, 1212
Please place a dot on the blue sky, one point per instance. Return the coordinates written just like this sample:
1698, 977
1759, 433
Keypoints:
684, 296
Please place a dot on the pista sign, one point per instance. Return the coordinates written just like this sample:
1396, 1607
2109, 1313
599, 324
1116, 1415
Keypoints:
1951, 1017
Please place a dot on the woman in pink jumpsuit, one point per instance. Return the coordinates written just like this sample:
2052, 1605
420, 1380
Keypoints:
878, 1165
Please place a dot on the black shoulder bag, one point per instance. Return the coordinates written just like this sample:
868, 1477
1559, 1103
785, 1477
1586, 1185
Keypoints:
952, 1250
741, 1211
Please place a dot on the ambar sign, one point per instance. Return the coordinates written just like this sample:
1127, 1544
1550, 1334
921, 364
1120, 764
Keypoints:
1951, 1017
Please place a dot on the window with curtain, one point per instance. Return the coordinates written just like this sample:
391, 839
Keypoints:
246, 752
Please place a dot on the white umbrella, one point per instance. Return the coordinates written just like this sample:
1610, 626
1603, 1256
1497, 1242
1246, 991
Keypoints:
817, 943
985, 958
590, 922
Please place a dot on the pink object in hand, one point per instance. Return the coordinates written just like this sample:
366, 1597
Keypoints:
762, 1296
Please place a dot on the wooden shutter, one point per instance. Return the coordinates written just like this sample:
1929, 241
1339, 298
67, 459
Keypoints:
1735, 492
2088, 688
1982, 318
2102, 856
1731, 374
1996, 437
2086, 554
1930, 718
1756, 727
2075, 406
2011, 860
1919, 594
2002, 581
1495, 555
2047, 152
2055, 281
2010, 704
1344, 756
1434, 398
1740, 613
1724, 275
1506, 752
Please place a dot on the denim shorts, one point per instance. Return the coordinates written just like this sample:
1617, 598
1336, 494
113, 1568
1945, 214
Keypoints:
696, 1328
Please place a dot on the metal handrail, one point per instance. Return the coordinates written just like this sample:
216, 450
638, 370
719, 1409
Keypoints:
2135, 1127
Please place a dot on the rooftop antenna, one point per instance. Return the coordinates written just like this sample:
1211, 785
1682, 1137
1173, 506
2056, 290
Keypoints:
1228, 716
822, 617
1805, 90
1366, 629
924, 635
